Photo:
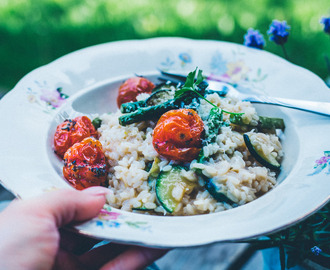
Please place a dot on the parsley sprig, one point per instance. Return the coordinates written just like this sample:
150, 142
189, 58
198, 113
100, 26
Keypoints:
191, 84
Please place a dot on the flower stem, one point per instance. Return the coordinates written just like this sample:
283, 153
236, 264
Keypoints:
282, 257
284, 52
327, 61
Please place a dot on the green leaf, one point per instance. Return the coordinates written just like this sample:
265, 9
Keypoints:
189, 84
263, 77
259, 72
200, 77
190, 79
327, 153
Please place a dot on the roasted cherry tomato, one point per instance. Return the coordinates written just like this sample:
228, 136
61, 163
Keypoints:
85, 164
72, 131
177, 135
132, 87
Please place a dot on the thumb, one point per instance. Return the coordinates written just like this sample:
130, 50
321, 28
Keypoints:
69, 205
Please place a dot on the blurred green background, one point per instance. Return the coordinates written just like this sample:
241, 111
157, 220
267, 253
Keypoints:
35, 32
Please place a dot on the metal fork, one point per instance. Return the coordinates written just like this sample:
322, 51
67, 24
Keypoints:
322, 108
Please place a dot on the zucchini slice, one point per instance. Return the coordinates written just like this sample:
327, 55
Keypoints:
159, 96
142, 208
170, 188
267, 161
216, 192
153, 173
154, 170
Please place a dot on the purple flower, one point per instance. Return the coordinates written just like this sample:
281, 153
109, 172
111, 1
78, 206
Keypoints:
323, 160
278, 32
326, 22
108, 215
254, 39
316, 250
52, 97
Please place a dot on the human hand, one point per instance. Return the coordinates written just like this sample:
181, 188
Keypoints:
31, 237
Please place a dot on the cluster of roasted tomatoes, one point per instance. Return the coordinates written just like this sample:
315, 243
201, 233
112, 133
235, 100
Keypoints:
85, 165
177, 136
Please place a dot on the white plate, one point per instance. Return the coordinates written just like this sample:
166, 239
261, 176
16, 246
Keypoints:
90, 77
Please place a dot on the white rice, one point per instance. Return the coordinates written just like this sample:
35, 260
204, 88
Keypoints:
129, 150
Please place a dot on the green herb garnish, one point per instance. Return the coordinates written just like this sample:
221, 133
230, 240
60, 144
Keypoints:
97, 122
191, 85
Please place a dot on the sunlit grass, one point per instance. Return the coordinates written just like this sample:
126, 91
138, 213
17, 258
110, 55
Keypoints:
41, 31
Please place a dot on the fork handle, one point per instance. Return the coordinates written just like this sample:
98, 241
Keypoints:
322, 108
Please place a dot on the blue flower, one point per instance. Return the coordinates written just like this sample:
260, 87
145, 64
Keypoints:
316, 250
278, 32
326, 22
113, 224
99, 223
254, 39
185, 58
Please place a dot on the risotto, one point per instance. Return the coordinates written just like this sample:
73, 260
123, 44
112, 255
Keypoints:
229, 168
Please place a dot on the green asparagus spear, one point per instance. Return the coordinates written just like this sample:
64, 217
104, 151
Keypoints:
264, 123
147, 113
132, 106
270, 123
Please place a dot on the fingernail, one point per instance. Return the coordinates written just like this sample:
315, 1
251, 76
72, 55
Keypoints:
96, 191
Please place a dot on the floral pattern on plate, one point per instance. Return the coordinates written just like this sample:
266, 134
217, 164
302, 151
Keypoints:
322, 163
47, 98
112, 219
233, 69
